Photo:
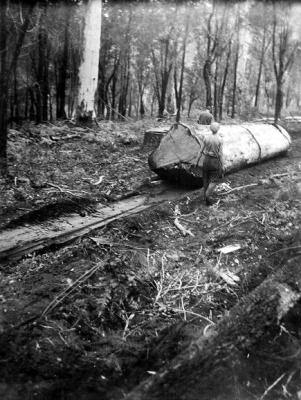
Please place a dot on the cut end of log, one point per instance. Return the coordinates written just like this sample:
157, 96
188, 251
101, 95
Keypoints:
153, 137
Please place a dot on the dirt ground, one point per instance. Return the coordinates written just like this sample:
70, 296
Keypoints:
116, 305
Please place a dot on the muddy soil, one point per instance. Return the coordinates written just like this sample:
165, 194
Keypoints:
92, 319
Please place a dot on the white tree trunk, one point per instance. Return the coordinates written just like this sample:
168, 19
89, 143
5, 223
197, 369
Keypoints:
88, 71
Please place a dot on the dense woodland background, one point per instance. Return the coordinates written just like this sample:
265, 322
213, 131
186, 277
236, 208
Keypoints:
239, 59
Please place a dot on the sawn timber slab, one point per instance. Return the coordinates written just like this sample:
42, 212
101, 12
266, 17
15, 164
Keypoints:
17, 242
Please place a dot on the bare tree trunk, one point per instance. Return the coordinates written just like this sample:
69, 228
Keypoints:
278, 101
141, 106
180, 91
162, 74
62, 72
260, 69
207, 79
88, 72
114, 83
130, 102
216, 91
122, 106
223, 85
282, 60
15, 115
234, 82
42, 73
5, 73
3, 88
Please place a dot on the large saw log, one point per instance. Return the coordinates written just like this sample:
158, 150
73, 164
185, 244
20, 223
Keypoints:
179, 156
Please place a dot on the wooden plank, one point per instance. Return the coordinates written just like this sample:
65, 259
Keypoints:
15, 243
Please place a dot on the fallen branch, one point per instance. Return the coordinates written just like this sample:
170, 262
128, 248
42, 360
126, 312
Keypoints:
271, 387
279, 175
239, 188
65, 293
103, 242
179, 310
182, 229
66, 191
68, 136
98, 181
252, 184
286, 249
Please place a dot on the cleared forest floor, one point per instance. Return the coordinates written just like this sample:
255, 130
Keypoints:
117, 304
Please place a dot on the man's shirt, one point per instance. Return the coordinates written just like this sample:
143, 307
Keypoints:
213, 146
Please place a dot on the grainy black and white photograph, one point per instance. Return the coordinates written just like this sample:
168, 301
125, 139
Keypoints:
150, 187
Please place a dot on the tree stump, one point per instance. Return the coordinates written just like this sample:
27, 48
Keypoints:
153, 137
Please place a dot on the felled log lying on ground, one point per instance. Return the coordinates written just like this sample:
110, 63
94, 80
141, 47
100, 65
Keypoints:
254, 344
179, 156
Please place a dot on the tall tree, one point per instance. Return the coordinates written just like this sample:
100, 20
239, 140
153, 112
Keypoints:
215, 46
178, 86
8, 62
42, 84
62, 67
264, 47
223, 81
283, 51
88, 71
162, 59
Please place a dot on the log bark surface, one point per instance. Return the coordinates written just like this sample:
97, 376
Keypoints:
179, 157
211, 367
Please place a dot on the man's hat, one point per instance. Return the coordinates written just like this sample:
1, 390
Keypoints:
214, 127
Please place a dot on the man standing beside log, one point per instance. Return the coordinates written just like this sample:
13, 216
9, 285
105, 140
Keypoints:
213, 164
205, 117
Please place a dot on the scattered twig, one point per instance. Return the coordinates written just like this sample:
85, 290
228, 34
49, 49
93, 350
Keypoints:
104, 242
98, 181
271, 387
252, 184
114, 109
239, 188
192, 313
65, 293
66, 191
183, 308
55, 186
181, 228
279, 175
160, 284
126, 327
287, 248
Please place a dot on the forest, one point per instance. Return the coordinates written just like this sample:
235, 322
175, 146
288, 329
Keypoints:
117, 280
234, 58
